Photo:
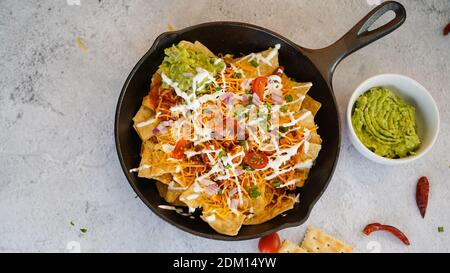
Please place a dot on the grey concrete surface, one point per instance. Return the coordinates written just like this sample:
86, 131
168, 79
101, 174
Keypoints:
57, 157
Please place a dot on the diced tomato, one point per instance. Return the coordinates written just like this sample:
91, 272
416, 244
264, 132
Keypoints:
178, 151
279, 71
269, 244
234, 122
154, 96
258, 86
256, 160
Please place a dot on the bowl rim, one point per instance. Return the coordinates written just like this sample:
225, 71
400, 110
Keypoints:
366, 151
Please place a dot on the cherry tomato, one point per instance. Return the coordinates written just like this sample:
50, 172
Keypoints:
256, 160
258, 86
269, 243
154, 96
178, 151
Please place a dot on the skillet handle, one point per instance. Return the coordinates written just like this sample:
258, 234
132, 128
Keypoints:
327, 59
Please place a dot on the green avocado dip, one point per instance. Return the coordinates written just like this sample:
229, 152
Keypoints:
385, 124
184, 61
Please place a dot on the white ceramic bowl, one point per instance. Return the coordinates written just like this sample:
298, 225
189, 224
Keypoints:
427, 114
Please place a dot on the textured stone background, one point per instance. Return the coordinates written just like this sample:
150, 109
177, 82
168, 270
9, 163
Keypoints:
57, 157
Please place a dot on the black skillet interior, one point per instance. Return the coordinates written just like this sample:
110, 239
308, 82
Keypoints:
235, 38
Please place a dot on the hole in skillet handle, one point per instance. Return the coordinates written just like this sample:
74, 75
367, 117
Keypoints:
327, 59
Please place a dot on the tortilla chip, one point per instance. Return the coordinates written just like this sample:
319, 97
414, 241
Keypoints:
170, 195
157, 162
263, 69
296, 90
197, 47
289, 247
144, 115
301, 176
192, 198
311, 104
317, 241
228, 225
271, 211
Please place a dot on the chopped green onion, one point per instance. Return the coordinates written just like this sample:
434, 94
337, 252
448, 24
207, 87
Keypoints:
217, 89
254, 192
250, 101
220, 192
71, 223
248, 168
222, 154
249, 91
238, 75
254, 63
228, 166
83, 230
243, 143
284, 108
276, 183
289, 98
284, 129
440, 229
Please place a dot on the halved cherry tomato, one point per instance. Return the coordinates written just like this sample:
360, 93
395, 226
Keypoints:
153, 96
258, 86
178, 151
269, 243
256, 160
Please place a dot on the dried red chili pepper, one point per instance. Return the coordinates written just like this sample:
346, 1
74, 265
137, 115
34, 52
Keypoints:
422, 190
447, 30
379, 227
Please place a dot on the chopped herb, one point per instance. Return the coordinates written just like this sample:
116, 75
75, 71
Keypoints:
249, 91
284, 129
238, 75
268, 106
248, 168
289, 98
243, 143
71, 223
217, 89
228, 166
250, 101
220, 192
253, 192
222, 153
83, 230
440, 229
254, 63
276, 183
284, 108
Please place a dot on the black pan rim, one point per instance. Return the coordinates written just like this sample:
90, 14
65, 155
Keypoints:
218, 236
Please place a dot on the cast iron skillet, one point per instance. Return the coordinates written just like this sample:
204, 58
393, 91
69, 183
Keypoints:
301, 63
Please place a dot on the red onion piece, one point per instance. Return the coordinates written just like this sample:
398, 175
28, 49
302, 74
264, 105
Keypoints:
234, 204
161, 128
212, 189
277, 99
233, 192
227, 98
256, 100
239, 171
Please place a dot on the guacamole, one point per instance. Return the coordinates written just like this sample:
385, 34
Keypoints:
385, 124
183, 61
